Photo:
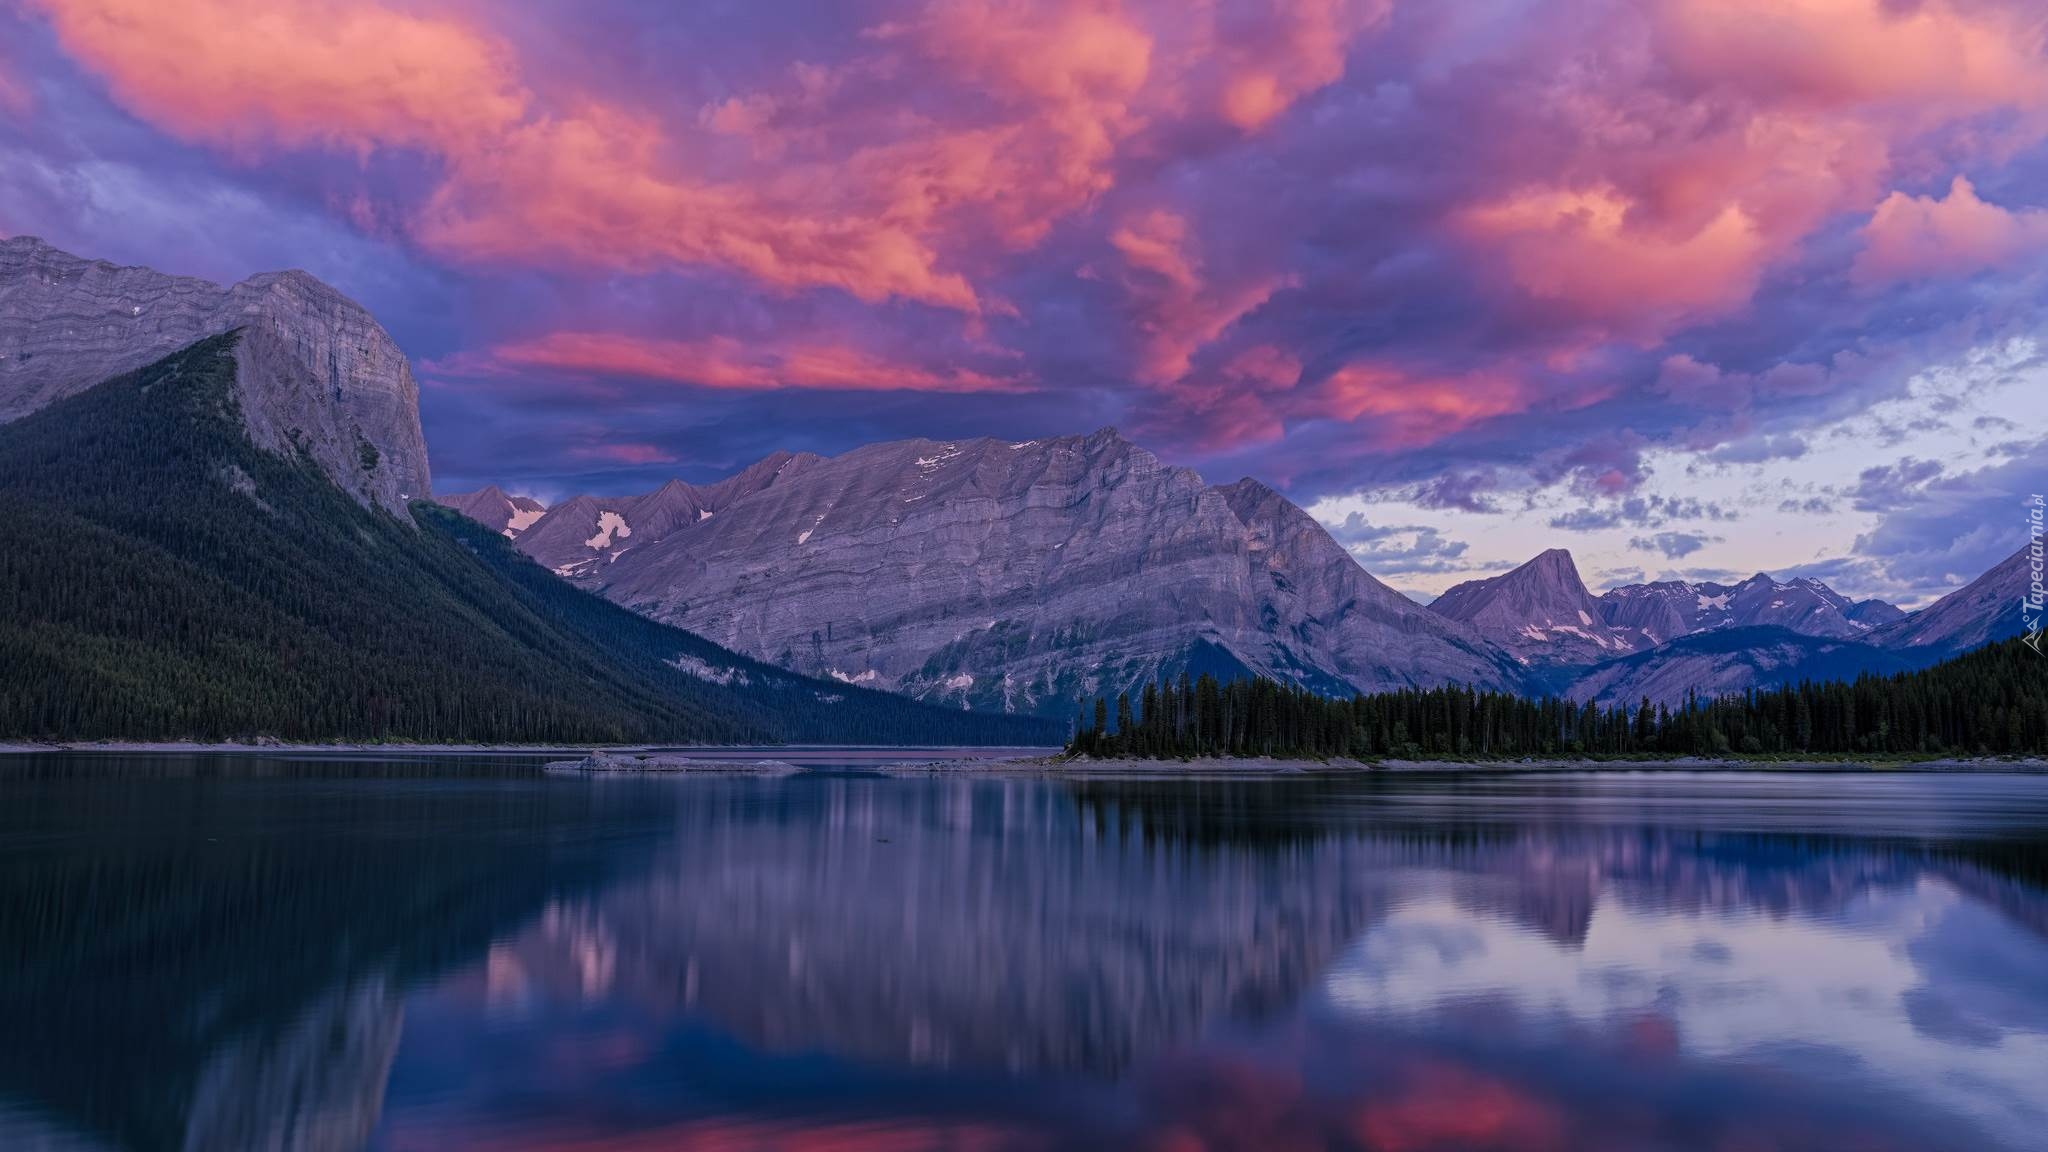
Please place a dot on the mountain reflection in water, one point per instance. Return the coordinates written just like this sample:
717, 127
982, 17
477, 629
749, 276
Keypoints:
344, 956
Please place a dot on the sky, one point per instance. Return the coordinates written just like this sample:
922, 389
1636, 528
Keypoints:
1694, 288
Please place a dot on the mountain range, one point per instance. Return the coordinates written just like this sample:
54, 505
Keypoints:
983, 575
1020, 575
1010, 575
187, 556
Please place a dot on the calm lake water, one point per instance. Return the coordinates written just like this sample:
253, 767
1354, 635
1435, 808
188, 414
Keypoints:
420, 955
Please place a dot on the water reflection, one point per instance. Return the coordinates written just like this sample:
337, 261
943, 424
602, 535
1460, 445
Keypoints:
820, 963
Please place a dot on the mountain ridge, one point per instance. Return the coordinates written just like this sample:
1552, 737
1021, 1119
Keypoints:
1541, 612
316, 373
1004, 574
208, 587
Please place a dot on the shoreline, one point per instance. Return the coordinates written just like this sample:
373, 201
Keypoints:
1054, 766
1226, 768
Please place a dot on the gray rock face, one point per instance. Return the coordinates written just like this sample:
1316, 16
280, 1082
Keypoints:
493, 508
1669, 609
318, 374
580, 536
998, 575
1986, 609
1542, 613
1369, 635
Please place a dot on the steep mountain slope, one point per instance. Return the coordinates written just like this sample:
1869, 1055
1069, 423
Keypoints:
317, 375
1018, 576
1986, 609
1669, 609
491, 507
1372, 636
1730, 660
576, 537
1540, 612
166, 577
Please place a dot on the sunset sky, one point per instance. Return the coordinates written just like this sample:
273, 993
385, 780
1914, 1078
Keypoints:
1691, 287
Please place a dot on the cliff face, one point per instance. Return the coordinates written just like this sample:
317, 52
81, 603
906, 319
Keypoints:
317, 373
1542, 613
1004, 575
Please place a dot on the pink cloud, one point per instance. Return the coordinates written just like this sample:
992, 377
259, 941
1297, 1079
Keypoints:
725, 363
1700, 143
1595, 255
636, 454
1043, 96
1398, 409
1175, 309
1844, 52
1701, 385
1922, 237
16, 100
243, 73
1271, 56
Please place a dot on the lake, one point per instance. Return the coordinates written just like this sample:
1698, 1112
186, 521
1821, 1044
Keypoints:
427, 953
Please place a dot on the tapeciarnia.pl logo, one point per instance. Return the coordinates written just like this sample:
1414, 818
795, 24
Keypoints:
2031, 605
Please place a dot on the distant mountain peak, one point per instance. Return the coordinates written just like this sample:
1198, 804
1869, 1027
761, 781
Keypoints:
1540, 611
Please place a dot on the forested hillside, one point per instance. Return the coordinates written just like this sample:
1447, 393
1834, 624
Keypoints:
1990, 701
162, 577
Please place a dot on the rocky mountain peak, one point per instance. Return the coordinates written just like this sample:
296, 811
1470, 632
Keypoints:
1541, 612
317, 375
494, 508
1007, 574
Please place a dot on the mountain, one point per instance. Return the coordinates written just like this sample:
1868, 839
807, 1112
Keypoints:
167, 577
315, 373
1724, 660
579, 535
1672, 608
1986, 609
491, 507
1018, 576
1542, 613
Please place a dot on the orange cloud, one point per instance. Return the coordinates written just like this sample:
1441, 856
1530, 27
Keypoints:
1672, 201
598, 184
1176, 310
896, 205
299, 72
1406, 410
1919, 237
1589, 253
725, 363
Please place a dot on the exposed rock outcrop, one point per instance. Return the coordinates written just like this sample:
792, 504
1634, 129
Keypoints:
317, 375
493, 508
1542, 613
1007, 575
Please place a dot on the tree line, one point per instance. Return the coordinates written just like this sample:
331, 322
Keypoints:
1993, 701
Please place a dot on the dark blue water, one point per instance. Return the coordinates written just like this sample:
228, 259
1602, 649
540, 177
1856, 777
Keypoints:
413, 955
